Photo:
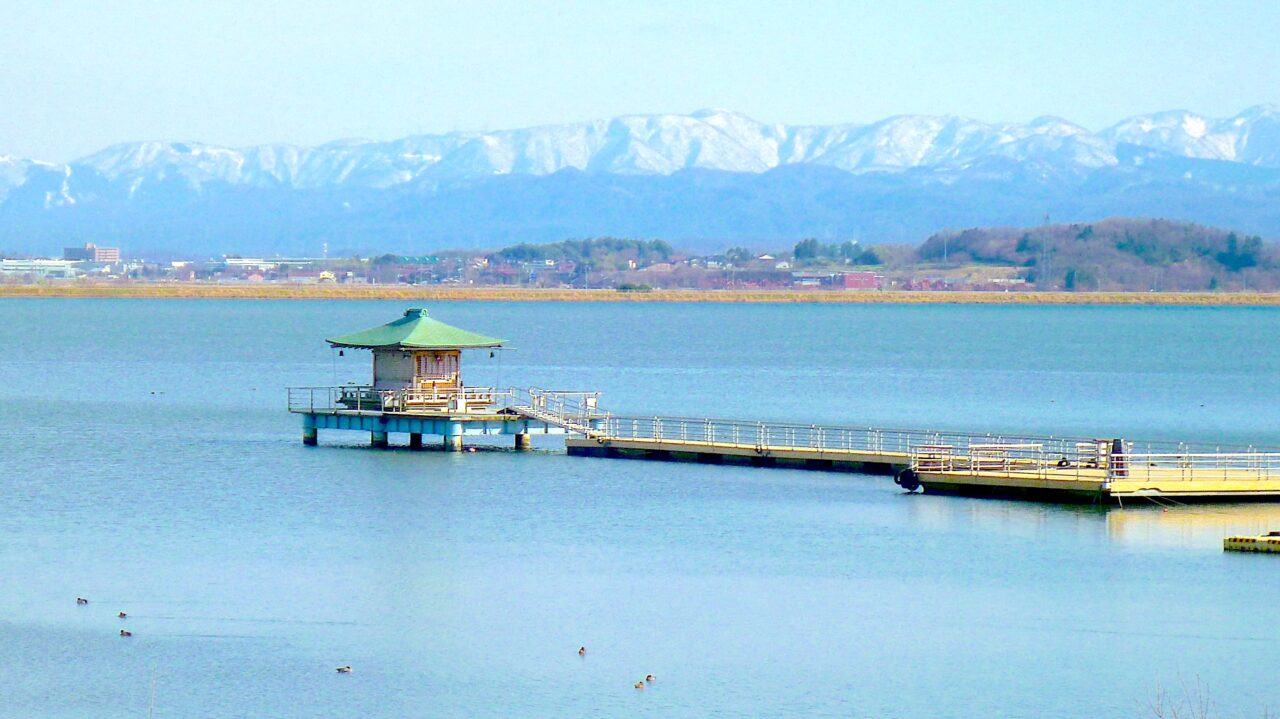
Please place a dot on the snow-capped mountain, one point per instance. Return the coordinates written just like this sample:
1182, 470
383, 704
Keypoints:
665, 144
1252, 137
896, 178
639, 144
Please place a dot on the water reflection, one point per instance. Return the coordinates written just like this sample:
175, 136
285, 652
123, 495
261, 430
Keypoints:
1198, 526
1139, 523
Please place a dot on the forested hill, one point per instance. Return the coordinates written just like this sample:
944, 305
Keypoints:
1116, 254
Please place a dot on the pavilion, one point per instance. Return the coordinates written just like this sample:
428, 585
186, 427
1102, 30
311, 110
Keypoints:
417, 388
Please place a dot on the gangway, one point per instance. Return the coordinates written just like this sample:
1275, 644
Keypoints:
577, 412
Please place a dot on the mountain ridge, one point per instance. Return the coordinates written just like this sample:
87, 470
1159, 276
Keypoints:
708, 138
424, 190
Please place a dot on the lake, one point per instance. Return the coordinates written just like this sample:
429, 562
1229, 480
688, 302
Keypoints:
147, 462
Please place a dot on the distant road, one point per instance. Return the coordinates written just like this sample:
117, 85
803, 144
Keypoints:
507, 294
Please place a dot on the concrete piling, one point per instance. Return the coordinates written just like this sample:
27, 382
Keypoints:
378, 439
453, 437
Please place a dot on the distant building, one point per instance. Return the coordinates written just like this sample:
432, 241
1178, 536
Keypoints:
39, 269
91, 253
837, 280
251, 263
860, 281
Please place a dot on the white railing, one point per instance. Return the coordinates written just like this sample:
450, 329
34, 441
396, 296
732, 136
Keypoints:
1197, 466
779, 435
1063, 459
1095, 460
926, 451
572, 409
366, 398
579, 411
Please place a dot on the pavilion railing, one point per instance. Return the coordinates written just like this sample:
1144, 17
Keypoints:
366, 398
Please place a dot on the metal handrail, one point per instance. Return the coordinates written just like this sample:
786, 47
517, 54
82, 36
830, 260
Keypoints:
802, 436
367, 398
1095, 463
575, 410
1198, 466
1047, 457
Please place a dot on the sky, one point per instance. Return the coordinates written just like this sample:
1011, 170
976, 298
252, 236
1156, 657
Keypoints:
79, 76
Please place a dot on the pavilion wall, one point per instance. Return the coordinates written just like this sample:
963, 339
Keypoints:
392, 369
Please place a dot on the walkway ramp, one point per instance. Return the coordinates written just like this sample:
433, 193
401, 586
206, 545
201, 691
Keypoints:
576, 412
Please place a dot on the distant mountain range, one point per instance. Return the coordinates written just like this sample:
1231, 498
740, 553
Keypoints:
702, 181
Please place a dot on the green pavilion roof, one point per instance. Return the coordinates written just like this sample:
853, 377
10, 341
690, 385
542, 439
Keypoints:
415, 331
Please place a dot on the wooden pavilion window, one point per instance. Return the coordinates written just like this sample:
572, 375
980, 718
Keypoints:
436, 368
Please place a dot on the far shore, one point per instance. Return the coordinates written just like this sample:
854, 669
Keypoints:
143, 290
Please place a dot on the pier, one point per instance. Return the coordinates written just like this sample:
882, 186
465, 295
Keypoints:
453, 416
417, 390
1035, 467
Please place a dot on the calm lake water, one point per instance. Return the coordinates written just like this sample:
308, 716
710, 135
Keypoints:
147, 462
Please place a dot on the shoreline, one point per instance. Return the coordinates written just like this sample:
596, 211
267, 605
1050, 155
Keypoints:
523, 294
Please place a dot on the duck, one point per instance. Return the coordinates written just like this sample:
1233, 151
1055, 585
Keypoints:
122, 615
126, 633
81, 600
639, 685
649, 679
344, 669
582, 651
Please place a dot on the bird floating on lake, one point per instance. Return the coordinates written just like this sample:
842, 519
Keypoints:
81, 600
344, 669
126, 633
582, 651
639, 685
122, 615
650, 679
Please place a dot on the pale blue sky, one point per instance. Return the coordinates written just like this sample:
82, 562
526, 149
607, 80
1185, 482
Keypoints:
77, 76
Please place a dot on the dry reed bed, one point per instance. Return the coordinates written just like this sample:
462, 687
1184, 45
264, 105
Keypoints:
505, 294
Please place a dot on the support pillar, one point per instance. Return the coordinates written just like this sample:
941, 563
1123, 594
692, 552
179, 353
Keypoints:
378, 439
523, 440
415, 440
453, 437
310, 436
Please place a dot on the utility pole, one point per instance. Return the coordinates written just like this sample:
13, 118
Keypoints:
1045, 254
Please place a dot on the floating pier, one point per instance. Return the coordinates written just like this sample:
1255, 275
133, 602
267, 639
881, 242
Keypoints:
760, 444
1035, 467
1269, 542
417, 390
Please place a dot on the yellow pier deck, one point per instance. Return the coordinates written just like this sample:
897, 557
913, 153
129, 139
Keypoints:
861, 460
1096, 470
1266, 543
1071, 469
